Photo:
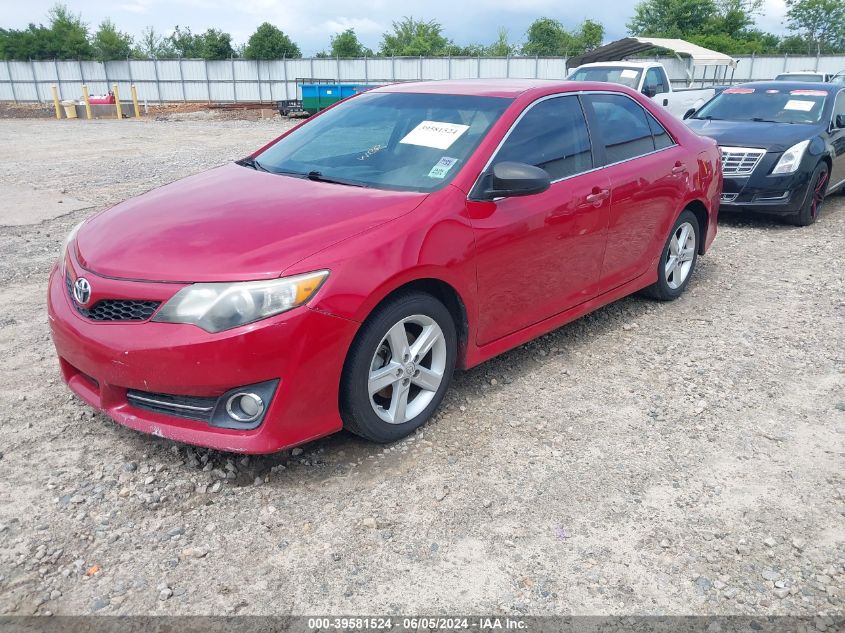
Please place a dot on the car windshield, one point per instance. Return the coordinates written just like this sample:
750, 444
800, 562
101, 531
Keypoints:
611, 74
771, 105
799, 77
404, 141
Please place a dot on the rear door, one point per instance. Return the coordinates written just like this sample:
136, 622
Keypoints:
538, 255
649, 176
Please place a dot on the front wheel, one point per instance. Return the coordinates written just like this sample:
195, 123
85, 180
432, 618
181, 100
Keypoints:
398, 368
814, 199
677, 260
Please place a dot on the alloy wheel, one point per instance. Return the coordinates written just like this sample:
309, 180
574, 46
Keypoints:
407, 369
680, 256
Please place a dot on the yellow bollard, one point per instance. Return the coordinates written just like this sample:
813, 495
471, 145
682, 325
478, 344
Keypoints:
87, 102
117, 107
135, 102
56, 102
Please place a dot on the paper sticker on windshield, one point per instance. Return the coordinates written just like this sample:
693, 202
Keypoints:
798, 104
435, 134
739, 91
629, 74
808, 93
442, 167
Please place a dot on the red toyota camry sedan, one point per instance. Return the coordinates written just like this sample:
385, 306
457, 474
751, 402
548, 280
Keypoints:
337, 277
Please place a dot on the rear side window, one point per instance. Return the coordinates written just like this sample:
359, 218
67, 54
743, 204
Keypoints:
624, 127
552, 135
661, 136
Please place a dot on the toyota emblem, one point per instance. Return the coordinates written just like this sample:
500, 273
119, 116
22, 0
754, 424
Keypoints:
82, 291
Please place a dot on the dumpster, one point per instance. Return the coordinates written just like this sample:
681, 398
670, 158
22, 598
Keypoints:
318, 96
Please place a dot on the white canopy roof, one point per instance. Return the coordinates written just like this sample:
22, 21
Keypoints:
631, 45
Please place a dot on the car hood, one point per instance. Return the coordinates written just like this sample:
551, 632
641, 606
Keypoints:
773, 137
231, 223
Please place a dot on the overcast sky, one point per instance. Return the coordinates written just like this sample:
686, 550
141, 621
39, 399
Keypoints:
310, 23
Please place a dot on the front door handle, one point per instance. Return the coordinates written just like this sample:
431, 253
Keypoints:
598, 195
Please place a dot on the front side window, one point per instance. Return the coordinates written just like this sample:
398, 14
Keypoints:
624, 127
552, 135
404, 141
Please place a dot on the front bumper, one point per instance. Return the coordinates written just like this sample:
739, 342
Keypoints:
782, 195
303, 349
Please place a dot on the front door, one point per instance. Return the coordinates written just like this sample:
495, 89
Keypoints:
541, 254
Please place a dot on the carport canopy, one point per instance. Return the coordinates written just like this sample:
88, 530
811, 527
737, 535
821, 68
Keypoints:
620, 49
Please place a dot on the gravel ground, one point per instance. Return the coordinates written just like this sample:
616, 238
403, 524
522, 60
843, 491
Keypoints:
684, 458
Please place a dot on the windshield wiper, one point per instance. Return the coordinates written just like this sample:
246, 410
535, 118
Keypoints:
709, 117
761, 120
319, 177
251, 162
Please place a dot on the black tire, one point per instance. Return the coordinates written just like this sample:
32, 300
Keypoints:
814, 200
356, 409
662, 289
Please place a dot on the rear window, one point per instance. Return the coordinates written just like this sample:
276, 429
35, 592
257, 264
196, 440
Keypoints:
767, 105
609, 74
793, 77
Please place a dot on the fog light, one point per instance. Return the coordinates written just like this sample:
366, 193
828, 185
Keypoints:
245, 406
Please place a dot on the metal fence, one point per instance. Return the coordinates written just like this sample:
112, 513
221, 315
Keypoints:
250, 80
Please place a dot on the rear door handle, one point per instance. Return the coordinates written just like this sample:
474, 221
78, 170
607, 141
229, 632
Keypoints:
678, 169
598, 195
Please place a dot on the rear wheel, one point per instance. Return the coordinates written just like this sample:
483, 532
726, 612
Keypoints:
814, 199
677, 260
398, 368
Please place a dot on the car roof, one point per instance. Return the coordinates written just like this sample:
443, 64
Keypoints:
510, 88
791, 85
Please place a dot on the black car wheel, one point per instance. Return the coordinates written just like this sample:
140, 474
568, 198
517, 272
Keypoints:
677, 260
814, 199
398, 368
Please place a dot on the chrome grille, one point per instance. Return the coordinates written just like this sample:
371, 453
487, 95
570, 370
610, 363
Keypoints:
740, 161
114, 309
191, 407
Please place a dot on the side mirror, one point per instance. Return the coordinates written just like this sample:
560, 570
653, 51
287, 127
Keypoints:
840, 121
649, 91
509, 179
689, 113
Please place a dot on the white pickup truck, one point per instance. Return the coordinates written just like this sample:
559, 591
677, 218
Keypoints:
649, 78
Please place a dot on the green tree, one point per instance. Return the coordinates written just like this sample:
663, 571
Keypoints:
110, 43
68, 35
215, 44
347, 44
184, 43
501, 47
412, 37
269, 42
548, 37
30, 43
672, 18
821, 23
152, 44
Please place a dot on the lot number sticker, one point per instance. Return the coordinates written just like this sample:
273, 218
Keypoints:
799, 104
442, 167
629, 74
435, 134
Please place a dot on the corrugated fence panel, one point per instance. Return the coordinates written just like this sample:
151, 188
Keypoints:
494, 67
273, 80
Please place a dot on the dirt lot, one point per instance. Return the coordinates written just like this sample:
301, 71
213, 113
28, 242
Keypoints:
684, 458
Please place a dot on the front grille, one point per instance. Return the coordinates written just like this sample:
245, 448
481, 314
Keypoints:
191, 407
740, 161
114, 309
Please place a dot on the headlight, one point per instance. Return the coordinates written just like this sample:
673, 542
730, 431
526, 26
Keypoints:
219, 306
791, 158
68, 241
